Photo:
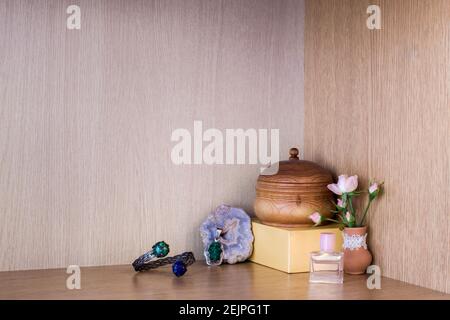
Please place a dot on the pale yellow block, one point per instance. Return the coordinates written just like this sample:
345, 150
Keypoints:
288, 249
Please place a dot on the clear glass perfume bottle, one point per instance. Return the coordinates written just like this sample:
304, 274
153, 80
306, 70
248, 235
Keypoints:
326, 265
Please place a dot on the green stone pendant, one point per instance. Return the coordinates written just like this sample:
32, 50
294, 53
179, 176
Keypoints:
214, 254
215, 251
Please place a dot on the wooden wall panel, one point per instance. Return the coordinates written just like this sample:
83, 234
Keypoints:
86, 119
387, 117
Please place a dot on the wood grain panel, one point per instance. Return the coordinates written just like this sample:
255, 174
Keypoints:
242, 281
86, 119
388, 119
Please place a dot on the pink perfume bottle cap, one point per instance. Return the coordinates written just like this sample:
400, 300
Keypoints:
327, 241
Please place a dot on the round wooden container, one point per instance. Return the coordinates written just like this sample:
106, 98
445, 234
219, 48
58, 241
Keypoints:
287, 198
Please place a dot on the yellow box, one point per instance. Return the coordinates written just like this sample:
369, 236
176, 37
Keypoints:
288, 249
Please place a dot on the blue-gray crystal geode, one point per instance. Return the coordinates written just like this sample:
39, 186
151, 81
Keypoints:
236, 237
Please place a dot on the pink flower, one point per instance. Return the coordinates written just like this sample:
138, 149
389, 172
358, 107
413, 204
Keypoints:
340, 203
373, 188
348, 216
345, 184
316, 218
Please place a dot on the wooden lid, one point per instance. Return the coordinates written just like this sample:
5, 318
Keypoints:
298, 171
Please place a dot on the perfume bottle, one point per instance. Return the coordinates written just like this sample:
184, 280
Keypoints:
326, 265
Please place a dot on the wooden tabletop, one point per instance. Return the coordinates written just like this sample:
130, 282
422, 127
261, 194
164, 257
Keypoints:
242, 281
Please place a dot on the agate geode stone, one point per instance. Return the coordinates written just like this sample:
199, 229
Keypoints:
236, 236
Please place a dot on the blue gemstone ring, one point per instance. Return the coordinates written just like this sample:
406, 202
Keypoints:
159, 250
179, 267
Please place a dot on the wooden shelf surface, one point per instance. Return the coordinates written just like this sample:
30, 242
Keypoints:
242, 281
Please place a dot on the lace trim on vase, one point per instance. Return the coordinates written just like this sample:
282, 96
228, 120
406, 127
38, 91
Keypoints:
354, 241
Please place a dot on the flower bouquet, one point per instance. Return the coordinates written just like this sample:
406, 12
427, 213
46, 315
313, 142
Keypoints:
345, 212
356, 255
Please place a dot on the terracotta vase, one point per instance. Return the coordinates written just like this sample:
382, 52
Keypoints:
356, 255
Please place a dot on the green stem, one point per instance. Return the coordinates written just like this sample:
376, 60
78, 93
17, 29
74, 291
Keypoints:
350, 204
365, 212
333, 220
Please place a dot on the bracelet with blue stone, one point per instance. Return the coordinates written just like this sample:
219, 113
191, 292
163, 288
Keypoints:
179, 267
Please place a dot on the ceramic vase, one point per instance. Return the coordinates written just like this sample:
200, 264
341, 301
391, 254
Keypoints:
356, 255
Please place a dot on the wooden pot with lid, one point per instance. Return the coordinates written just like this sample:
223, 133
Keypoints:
298, 189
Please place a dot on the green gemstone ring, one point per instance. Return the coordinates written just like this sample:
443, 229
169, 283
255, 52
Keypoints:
159, 250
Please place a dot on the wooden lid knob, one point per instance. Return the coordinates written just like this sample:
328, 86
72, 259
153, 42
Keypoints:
293, 153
